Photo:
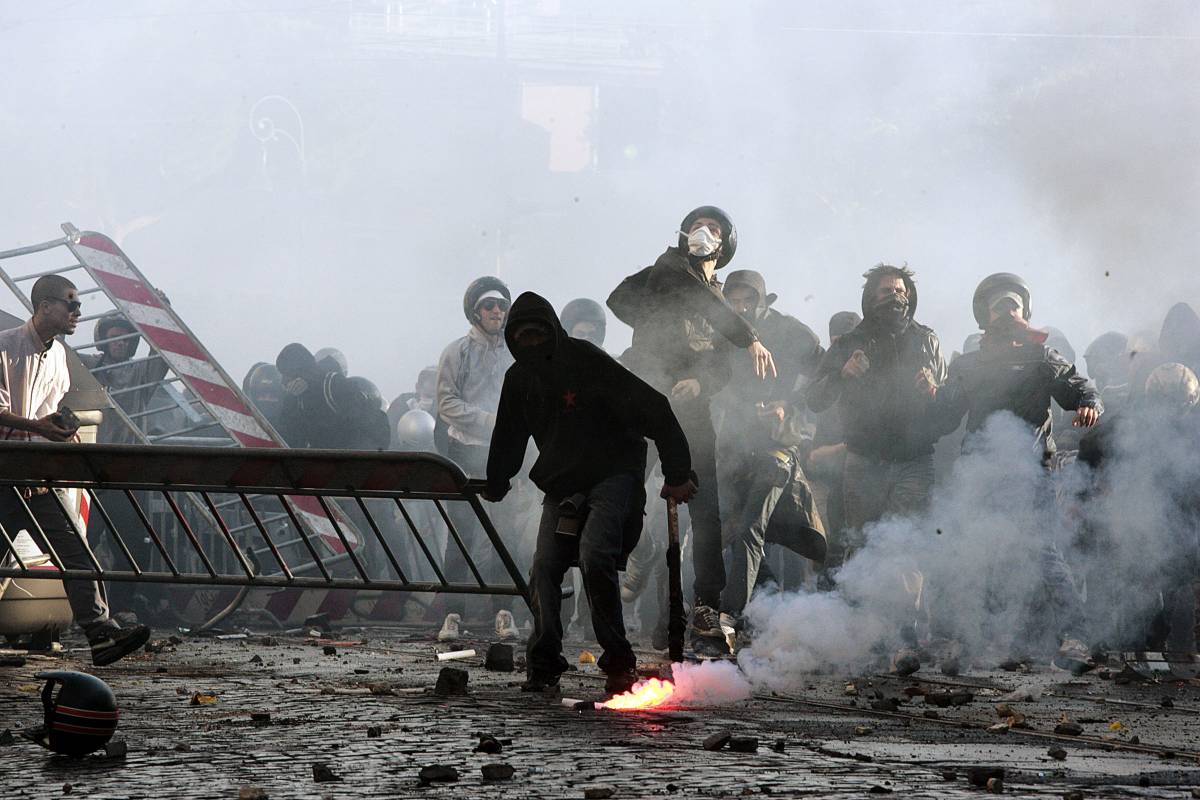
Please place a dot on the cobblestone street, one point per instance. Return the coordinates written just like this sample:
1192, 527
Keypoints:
366, 709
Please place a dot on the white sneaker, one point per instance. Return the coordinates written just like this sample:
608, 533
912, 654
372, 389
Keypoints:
449, 631
506, 626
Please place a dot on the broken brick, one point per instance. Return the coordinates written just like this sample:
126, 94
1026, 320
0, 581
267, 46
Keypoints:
252, 793
598, 792
1057, 753
717, 741
488, 744
1068, 728
329, 650
743, 744
497, 772
499, 658
451, 681
437, 773
323, 773
374, 732
979, 776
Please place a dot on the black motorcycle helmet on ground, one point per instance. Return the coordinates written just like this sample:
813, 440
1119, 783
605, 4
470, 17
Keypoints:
992, 285
478, 288
80, 718
728, 232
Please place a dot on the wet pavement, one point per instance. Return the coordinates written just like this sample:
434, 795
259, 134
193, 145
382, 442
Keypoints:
361, 702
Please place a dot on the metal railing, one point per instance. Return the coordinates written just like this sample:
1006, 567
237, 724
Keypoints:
248, 534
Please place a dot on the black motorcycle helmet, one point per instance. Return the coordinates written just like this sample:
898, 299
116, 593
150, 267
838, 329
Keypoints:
80, 718
728, 232
999, 282
368, 389
583, 309
478, 288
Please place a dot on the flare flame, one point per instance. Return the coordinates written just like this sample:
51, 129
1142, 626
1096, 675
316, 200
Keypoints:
644, 694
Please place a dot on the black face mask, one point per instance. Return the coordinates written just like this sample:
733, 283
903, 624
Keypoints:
536, 356
891, 313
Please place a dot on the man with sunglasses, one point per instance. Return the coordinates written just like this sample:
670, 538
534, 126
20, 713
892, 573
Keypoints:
469, 378
33, 382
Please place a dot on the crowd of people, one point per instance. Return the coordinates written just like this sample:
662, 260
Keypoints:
786, 451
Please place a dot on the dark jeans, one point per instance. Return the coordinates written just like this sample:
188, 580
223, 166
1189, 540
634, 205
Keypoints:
86, 597
756, 490
597, 549
707, 553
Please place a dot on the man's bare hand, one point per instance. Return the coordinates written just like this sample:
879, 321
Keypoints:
774, 412
926, 385
764, 362
1086, 417
47, 428
681, 493
686, 389
856, 365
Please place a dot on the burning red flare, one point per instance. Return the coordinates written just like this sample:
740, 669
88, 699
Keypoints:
644, 694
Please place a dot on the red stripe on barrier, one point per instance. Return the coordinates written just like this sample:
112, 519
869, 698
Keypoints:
98, 241
220, 395
246, 440
127, 289
174, 342
67, 727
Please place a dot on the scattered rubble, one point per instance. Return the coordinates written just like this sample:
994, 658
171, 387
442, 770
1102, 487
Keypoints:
598, 792
323, 773
1057, 753
374, 732
1068, 727
717, 741
437, 773
203, 698
907, 664
488, 744
7, 738
456, 655
948, 699
260, 717
451, 682
329, 650
497, 772
743, 744
252, 793
12, 661
979, 776
499, 658
116, 749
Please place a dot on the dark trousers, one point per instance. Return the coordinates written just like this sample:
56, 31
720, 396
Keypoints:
755, 491
86, 597
597, 550
707, 553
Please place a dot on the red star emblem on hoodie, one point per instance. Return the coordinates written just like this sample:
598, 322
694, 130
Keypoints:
569, 399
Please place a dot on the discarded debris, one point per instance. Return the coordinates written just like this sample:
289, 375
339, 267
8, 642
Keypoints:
890, 704
743, 744
203, 698
951, 667
455, 655
717, 741
1004, 710
323, 773
451, 682
1057, 753
1068, 727
995, 785
252, 793
437, 773
1025, 693
488, 744
779, 746
329, 650
907, 663
12, 661
949, 775
979, 776
948, 699
499, 658
497, 772
7, 738
374, 732
863, 730
116, 749
851, 690
587, 657
260, 717
256, 659
598, 792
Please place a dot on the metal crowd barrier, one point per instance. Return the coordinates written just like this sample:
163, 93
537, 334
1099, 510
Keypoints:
239, 526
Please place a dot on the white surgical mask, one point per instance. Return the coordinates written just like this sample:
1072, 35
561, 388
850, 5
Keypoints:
701, 242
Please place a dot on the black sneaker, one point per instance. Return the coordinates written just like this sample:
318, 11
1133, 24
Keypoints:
113, 644
620, 682
710, 646
540, 683
706, 622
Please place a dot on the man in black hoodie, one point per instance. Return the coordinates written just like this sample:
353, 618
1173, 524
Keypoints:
683, 334
589, 417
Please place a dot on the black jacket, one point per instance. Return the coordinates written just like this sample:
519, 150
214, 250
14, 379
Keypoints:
883, 414
682, 325
797, 352
588, 415
331, 413
1021, 380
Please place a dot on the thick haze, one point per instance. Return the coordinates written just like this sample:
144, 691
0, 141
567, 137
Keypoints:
325, 173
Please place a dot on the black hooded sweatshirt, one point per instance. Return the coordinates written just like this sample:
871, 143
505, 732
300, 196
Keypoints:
589, 416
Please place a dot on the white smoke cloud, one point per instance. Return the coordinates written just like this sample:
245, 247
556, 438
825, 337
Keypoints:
708, 683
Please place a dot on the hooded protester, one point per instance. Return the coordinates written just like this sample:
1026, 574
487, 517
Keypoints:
1015, 371
585, 319
470, 373
589, 417
1179, 341
879, 375
323, 409
765, 436
683, 335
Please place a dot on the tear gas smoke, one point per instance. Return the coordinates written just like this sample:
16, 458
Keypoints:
971, 568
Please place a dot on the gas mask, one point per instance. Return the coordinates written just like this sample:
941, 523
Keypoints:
702, 243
